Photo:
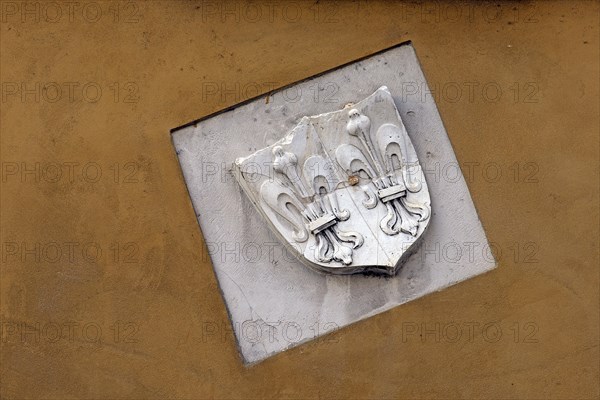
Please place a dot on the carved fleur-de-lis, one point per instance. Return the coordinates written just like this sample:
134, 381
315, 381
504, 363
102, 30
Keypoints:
388, 170
316, 205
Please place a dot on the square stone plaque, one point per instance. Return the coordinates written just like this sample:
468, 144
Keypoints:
274, 301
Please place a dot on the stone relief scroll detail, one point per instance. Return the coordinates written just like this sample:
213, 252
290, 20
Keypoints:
388, 170
344, 189
316, 204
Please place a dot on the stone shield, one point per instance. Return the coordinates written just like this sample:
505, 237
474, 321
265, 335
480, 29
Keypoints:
343, 190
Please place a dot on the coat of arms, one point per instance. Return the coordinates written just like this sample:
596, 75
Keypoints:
344, 190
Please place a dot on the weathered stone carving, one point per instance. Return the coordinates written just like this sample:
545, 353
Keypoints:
344, 190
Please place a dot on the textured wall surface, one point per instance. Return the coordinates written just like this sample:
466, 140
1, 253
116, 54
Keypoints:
106, 287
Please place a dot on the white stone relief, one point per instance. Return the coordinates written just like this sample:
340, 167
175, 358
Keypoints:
267, 287
392, 178
344, 189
